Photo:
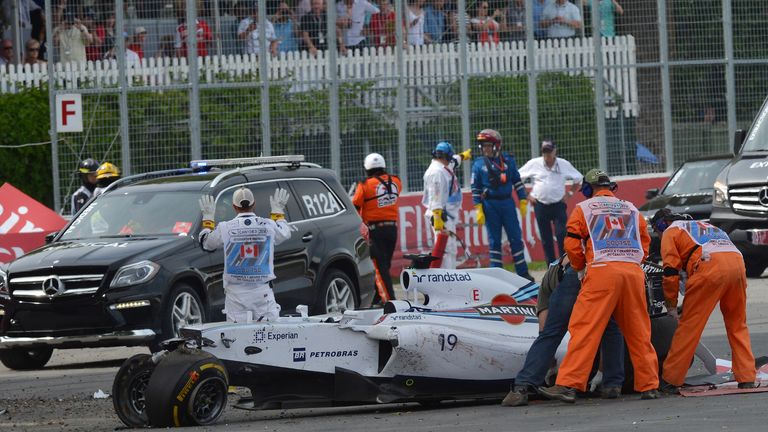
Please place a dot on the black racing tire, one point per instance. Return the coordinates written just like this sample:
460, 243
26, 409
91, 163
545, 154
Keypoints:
662, 330
336, 293
25, 358
755, 265
176, 315
188, 388
129, 390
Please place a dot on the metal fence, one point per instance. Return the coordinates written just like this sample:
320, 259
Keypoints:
673, 85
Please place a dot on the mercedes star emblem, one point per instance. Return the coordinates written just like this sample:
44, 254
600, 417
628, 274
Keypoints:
53, 286
762, 196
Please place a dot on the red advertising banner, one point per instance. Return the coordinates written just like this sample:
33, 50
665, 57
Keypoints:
415, 235
24, 223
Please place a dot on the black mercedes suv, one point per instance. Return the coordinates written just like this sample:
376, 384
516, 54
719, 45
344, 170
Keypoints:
128, 268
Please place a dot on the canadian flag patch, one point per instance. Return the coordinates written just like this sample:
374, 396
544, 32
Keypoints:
249, 250
614, 222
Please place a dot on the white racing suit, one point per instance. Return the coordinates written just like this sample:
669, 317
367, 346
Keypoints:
249, 245
443, 191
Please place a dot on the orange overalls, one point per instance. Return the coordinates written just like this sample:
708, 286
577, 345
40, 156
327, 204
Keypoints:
716, 272
376, 201
608, 237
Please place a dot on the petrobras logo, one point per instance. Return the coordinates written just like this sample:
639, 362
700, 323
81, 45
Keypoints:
442, 277
270, 336
335, 354
299, 355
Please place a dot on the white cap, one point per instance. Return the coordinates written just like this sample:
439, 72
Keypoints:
374, 160
139, 30
243, 194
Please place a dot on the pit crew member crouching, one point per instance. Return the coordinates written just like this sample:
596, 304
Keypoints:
716, 273
249, 243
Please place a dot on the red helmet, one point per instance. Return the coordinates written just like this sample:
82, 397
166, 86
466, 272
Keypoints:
489, 136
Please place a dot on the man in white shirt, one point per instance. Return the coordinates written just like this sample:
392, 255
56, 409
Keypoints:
350, 18
549, 174
248, 30
561, 18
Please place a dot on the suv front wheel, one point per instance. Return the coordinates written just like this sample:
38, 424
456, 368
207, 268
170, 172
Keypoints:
183, 308
25, 358
336, 294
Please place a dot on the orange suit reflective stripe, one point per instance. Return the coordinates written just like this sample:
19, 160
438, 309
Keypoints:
722, 278
609, 288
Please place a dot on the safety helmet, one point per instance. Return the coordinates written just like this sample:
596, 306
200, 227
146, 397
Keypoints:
374, 160
662, 219
87, 166
107, 170
489, 136
443, 150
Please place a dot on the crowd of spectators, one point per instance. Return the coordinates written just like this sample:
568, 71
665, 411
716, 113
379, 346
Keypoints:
85, 29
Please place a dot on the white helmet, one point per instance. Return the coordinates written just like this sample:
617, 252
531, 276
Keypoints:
374, 160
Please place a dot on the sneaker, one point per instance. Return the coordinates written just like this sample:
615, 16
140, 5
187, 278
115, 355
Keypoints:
747, 385
558, 392
610, 392
669, 389
650, 394
518, 396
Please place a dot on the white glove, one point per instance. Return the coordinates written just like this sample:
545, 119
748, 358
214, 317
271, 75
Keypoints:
208, 207
596, 381
278, 201
581, 273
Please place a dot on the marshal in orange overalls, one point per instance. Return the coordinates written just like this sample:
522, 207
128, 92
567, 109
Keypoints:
376, 200
607, 237
716, 273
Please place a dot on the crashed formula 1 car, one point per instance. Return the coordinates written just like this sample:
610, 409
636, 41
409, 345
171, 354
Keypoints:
465, 337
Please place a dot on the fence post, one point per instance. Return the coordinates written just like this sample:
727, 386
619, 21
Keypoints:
464, 86
194, 81
597, 43
402, 123
730, 73
52, 104
266, 133
125, 127
666, 97
333, 90
531, 66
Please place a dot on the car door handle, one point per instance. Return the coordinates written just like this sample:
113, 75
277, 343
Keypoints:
306, 237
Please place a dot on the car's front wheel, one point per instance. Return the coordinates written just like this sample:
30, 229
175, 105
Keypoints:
25, 358
337, 293
183, 308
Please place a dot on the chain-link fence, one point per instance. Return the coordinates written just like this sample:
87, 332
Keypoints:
336, 80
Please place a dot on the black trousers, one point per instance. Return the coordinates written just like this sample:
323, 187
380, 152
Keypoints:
383, 239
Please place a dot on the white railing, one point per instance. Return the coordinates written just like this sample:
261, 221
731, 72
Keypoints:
425, 67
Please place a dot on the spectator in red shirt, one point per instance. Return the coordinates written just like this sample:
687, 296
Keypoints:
204, 38
95, 50
383, 25
137, 45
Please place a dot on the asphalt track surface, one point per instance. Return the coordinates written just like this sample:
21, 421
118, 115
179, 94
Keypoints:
61, 397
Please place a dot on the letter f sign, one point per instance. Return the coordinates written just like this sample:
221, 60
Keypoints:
69, 113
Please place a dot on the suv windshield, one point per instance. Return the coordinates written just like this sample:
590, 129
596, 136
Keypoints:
695, 177
757, 140
118, 214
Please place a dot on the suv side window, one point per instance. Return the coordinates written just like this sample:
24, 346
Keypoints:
293, 210
316, 199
